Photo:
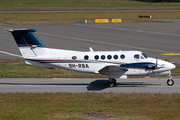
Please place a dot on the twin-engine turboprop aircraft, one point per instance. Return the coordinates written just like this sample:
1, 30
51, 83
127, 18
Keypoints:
115, 64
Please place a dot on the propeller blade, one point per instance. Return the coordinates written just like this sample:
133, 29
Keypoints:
156, 65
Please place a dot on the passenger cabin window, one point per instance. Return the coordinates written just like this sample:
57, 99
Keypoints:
96, 57
115, 57
122, 56
86, 57
136, 56
103, 57
74, 57
109, 57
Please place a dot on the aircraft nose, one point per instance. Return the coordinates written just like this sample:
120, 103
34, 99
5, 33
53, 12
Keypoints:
171, 66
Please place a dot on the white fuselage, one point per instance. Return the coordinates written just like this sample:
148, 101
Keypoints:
92, 62
115, 64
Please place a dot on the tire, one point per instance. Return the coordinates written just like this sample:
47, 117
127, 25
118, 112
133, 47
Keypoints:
114, 81
111, 84
170, 82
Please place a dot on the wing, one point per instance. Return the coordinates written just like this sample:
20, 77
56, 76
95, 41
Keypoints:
109, 70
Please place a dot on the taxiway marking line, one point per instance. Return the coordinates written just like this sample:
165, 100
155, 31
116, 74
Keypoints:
107, 43
131, 30
51, 86
94, 41
3, 27
170, 53
83, 86
10, 54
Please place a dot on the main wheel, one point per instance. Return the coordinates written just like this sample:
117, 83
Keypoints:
114, 81
111, 84
170, 82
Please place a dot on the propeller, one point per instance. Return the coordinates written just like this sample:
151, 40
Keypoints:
156, 65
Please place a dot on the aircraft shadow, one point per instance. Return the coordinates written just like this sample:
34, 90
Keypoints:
95, 85
98, 85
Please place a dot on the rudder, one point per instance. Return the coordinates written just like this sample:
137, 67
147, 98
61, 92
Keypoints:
29, 44
26, 37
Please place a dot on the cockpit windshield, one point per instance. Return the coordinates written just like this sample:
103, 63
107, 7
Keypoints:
144, 55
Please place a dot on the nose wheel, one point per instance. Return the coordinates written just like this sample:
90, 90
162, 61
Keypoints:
170, 81
111, 82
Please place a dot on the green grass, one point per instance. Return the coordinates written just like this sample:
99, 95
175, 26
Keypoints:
86, 15
69, 106
70, 17
82, 4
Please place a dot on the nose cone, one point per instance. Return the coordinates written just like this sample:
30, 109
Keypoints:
164, 66
170, 66
173, 66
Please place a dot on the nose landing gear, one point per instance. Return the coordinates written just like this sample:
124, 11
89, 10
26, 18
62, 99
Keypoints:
170, 81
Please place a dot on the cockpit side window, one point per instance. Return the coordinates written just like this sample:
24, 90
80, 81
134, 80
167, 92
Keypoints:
144, 55
136, 56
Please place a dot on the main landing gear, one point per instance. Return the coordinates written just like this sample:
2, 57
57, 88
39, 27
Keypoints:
170, 81
111, 82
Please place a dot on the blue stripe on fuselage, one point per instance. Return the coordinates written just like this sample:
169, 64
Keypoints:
144, 65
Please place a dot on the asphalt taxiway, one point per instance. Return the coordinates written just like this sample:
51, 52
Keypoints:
67, 85
150, 38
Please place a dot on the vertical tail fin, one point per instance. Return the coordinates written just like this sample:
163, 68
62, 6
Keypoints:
28, 43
